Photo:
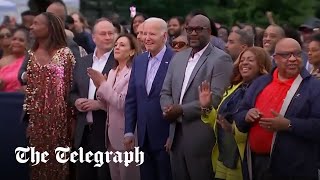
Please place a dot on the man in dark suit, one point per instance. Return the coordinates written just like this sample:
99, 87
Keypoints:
91, 119
59, 9
142, 106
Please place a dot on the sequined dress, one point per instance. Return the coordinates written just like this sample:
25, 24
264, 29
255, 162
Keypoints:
50, 115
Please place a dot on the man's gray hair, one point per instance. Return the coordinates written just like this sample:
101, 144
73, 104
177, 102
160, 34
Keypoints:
246, 37
162, 23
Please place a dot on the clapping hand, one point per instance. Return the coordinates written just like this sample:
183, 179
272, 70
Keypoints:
277, 123
253, 115
172, 112
224, 124
96, 77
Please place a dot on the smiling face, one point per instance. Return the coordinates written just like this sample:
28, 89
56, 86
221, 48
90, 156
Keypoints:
248, 66
19, 42
198, 32
288, 58
270, 38
154, 36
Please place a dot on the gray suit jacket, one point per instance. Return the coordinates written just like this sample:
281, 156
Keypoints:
216, 67
80, 89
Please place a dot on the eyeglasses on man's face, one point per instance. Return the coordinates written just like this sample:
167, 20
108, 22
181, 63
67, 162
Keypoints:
197, 29
287, 55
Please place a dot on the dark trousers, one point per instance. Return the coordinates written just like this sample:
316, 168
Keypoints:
260, 170
86, 171
156, 164
188, 166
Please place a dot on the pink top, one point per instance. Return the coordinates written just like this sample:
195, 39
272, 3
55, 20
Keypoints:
9, 74
113, 93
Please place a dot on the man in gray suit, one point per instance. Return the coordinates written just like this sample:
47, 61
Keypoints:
193, 140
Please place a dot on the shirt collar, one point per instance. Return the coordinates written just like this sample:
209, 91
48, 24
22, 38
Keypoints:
199, 53
160, 55
104, 56
276, 78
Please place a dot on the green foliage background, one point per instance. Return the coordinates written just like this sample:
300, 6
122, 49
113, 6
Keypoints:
293, 12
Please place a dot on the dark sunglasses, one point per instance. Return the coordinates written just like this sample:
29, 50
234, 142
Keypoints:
287, 55
178, 44
198, 29
5, 35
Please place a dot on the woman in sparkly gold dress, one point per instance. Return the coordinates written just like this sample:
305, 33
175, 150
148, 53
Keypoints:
49, 75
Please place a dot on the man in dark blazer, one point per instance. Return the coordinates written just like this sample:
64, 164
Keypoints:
91, 119
142, 108
193, 140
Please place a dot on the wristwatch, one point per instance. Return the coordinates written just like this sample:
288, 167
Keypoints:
289, 126
206, 110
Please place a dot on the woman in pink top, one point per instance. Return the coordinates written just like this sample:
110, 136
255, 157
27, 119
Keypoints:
112, 92
10, 65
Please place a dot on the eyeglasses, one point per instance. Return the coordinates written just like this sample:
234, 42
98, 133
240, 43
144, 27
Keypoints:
287, 55
178, 44
5, 35
198, 29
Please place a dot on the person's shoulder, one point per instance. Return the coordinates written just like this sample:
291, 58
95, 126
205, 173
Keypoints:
142, 56
86, 57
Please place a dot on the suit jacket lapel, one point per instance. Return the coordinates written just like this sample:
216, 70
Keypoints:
144, 70
88, 63
161, 73
181, 71
109, 65
202, 59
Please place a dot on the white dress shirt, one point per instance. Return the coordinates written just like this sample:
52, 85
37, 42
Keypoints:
153, 66
98, 64
191, 64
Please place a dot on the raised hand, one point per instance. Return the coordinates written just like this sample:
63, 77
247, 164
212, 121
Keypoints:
205, 94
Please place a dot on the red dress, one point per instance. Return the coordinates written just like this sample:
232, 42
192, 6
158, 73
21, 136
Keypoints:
50, 115
9, 74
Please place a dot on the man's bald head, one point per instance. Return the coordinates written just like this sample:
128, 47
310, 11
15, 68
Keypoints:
286, 43
58, 9
201, 20
198, 32
288, 58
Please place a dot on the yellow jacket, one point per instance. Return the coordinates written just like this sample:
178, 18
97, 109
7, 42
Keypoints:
240, 138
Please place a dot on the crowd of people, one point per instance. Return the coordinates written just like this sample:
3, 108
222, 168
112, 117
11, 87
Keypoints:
201, 100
